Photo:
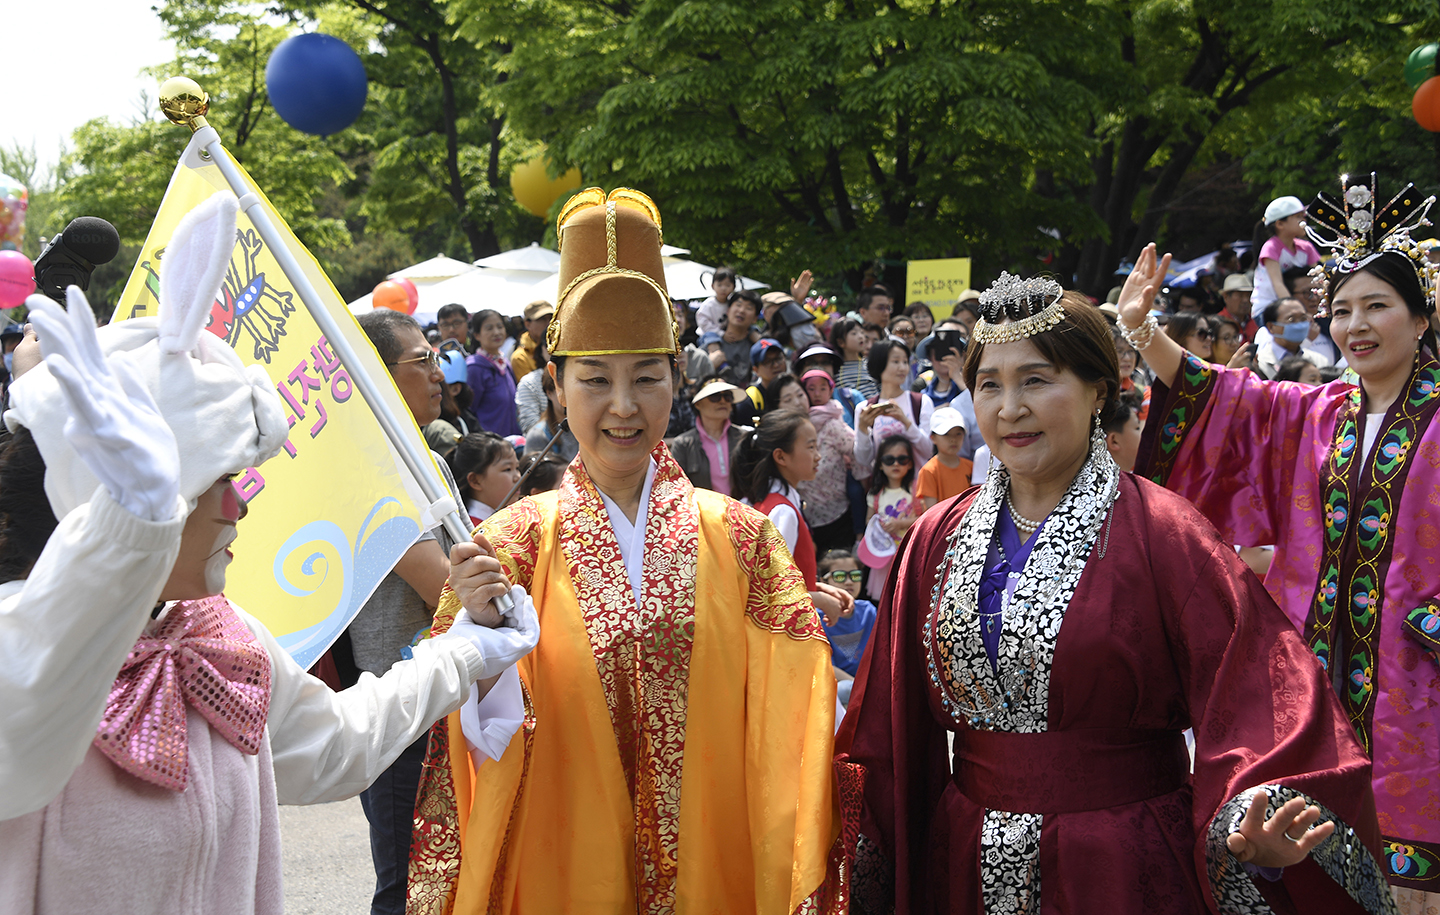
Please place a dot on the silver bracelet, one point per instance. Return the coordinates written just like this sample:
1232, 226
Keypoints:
1140, 337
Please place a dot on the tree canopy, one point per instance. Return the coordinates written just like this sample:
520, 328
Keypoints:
843, 136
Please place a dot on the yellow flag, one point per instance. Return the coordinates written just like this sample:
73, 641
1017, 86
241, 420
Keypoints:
333, 512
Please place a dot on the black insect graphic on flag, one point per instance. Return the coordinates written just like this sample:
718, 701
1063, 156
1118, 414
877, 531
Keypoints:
248, 308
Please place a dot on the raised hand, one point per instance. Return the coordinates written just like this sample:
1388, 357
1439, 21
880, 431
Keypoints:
1137, 296
114, 425
800, 288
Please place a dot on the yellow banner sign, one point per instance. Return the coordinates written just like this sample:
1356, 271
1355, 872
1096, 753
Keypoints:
333, 512
936, 282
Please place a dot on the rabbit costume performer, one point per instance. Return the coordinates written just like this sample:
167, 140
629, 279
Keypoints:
148, 727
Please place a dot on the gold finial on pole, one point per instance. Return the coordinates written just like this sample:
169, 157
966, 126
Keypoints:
184, 102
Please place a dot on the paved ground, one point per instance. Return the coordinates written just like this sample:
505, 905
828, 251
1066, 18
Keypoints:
327, 859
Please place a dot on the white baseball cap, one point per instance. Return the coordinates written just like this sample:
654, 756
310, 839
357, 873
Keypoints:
946, 419
1281, 207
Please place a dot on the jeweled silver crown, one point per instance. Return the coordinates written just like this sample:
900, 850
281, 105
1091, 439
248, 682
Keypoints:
1015, 298
1013, 309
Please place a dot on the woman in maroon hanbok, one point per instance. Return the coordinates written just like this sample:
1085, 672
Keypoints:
1068, 654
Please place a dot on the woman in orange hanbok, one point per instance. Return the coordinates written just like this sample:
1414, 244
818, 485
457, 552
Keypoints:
667, 747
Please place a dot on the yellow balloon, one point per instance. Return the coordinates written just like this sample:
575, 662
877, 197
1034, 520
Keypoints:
535, 190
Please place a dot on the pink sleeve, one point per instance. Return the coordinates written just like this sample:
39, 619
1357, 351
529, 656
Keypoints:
1232, 443
1270, 251
1312, 255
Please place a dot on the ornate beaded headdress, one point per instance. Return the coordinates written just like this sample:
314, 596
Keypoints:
1013, 309
1364, 231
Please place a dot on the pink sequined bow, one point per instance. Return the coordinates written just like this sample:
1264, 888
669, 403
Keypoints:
201, 654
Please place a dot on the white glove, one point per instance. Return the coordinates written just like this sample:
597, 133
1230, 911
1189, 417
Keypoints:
502, 646
114, 425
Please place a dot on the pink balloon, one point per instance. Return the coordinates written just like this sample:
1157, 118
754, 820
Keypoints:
410, 291
17, 278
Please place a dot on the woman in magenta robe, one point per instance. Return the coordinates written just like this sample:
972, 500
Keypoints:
1068, 655
1343, 481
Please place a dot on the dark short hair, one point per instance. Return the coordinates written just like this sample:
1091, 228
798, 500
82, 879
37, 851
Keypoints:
868, 294
451, 310
1081, 343
777, 387
478, 319
1179, 326
1271, 314
746, 295
879, 357
1290, 368
971, 306
383, 326
545, 476
1126, 406
919, 308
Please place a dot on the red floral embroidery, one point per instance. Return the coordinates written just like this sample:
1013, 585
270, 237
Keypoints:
641, 653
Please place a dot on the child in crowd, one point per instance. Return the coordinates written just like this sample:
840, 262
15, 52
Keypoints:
544, 477
891, 512
851, 633
711, 313
485, 469
1298, 368
1286, 247
778, 453
947, 473
1122, 432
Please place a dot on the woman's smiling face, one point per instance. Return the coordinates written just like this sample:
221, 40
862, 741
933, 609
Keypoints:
618, 407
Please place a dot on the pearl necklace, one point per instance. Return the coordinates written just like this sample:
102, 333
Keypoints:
1024, 525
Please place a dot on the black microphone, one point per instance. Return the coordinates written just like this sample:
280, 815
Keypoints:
71, 256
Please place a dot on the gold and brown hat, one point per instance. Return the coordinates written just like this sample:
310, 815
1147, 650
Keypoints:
612, 281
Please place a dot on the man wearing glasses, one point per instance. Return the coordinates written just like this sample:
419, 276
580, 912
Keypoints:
1289, 327
454, 324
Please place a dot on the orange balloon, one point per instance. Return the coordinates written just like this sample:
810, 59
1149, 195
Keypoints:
1426, 104
535, 190
391, 295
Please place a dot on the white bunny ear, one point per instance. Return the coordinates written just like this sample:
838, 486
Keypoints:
194, 265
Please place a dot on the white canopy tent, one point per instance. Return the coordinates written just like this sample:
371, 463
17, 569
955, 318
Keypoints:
426, 275
509, 281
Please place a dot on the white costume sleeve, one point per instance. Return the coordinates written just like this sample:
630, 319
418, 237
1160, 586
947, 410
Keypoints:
328, 746
490, 722
64, 633
787, 523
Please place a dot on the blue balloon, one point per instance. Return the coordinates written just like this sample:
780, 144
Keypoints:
316, 83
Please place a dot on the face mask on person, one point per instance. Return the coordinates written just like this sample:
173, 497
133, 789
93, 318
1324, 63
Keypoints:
1297, 332
10, 362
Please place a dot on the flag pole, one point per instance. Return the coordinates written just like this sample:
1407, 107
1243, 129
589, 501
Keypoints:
185, 103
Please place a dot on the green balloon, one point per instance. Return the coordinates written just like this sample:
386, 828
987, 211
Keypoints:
1420, 65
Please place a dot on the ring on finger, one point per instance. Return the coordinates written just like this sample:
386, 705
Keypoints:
1287, 835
